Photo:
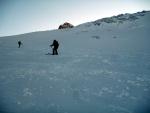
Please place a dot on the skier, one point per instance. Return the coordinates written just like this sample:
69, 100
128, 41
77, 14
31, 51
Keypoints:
19, 43
56, 45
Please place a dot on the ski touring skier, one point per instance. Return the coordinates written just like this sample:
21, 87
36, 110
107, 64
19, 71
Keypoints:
19, 43
56, 45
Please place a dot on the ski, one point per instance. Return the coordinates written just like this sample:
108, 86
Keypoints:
48, 53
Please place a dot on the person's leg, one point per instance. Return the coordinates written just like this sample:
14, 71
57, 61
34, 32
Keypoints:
56, 52
53, 51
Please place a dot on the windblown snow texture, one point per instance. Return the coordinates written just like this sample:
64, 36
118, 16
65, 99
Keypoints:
102, 67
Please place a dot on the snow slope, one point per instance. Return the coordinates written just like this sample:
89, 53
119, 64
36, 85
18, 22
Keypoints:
102, 67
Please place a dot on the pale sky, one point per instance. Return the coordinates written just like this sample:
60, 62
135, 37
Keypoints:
23, 16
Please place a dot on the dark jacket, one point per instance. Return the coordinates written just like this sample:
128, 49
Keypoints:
55, 44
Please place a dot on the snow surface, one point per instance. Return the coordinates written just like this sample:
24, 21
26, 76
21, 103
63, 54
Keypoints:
102, 67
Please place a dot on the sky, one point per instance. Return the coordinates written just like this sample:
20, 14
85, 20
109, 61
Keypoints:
24, 16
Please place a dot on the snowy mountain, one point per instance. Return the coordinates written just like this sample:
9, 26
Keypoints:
102, 67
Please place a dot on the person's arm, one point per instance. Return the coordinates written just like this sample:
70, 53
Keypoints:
52, 45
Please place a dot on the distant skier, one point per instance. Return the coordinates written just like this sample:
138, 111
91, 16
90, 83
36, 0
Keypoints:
56, 45
19, 43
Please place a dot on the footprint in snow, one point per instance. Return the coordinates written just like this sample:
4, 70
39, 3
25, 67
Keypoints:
27, 92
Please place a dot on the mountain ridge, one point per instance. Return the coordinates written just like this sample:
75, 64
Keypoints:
119, 19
